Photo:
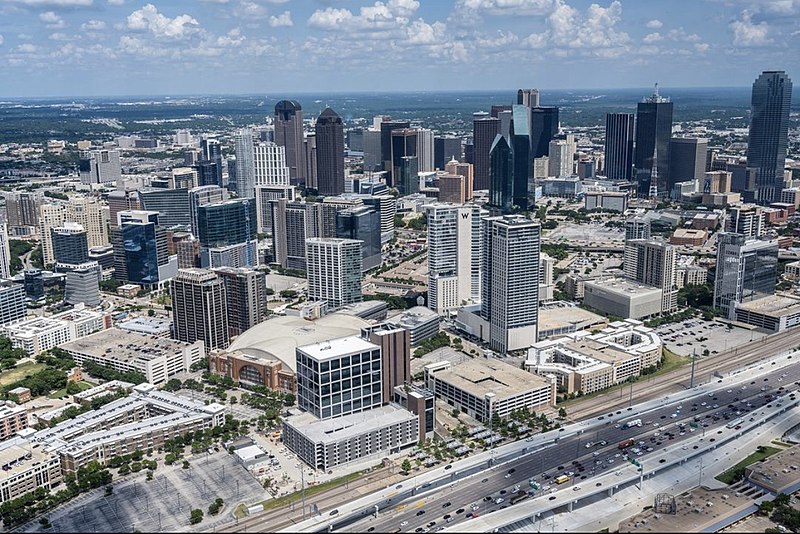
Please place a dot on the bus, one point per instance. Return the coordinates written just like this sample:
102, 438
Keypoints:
520, 496
561, 479
736, 423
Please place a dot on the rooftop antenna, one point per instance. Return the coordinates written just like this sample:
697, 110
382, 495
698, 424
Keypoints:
656, 93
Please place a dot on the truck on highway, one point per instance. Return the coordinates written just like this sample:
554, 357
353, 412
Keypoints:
736, 423
520, 496
625, 444
561, 479
632, 423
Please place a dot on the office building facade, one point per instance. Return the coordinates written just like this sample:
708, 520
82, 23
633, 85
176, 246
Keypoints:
544, 126
484, 131
687, 159
199, 308
245, 163
653, 134
289, 134
618, 154
362, 223
228, 233
330, 153
246, 297
334, 271
746, 271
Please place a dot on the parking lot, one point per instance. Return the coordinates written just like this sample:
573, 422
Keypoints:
595, 233
697, 335
162, 504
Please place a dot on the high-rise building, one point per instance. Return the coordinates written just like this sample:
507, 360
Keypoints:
386, 206
528, 97
560, 157
444, 150
637, 228
200, 196
452, 188
386, 128
521, 147
747, 219
34, 284
395, 345
199, 308
172, 205
544, 126
265, 193
484, 131
404, 145
141, 255
322, 393
334, 271
769, 130
5, 252
465, 170
293, 222
210, 164
245, 163
618, 154
310, 155
653, 134
121, 200
22, 208
454, 256
687, 159
246, 297
12, 302
372, 150
228, 234
269, 162
425, 151
100, 166
510, 281
82, 284
362, 223
501, 174
746, 270
330, 153
69, 243
652, 262
85, 211
289, 134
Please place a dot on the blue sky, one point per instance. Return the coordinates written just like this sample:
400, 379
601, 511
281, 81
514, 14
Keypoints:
128, 47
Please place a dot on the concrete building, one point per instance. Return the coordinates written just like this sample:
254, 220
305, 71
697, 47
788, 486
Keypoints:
156, 357
328, 443
482, 388
606, 200
395, 345
265, 193
88, 212
12, 303
510, 281
22, 208
558, 321
746, 271
592, 362
294, 222
689, 237
561, 154
26, 469
334, 271
13, 418
339, 377
43, 333
100, 166
747, 220
289, 134
466, 170
564, 187
687, 158
199, 308
690, 275
245, 297
775, 313
454, 256
623, 298
652, 262
249, 370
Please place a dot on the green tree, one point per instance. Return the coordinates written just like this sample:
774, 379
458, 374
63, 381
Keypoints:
406, 466
562, 412
195, 516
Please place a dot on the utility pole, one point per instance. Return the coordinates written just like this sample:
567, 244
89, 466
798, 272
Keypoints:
630, 400
303, 489
694, 357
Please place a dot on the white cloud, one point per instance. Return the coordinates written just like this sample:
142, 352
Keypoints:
747, 33
378, 16
652, 38
52, 20
26, 48
782, 7
250, 11
116, 2
654, 24
595, 32
680, 34
507, 7
702, 47
162, 27
282, 20
58, 36
233, 38
2, 40
93, 26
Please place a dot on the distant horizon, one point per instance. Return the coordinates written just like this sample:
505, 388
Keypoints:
289, 94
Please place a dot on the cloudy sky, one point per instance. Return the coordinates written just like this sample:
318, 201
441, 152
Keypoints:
130, 47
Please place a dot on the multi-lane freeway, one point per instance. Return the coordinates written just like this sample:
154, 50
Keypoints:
493, 489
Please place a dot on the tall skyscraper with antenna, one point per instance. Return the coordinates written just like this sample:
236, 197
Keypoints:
653, 134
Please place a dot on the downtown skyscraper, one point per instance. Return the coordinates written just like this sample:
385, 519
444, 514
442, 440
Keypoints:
289, 134
769, 130
618, 154
330, 153
484, 130
199, 308
653, 134
245, 163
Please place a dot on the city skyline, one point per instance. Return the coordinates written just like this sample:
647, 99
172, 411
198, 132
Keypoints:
119, 47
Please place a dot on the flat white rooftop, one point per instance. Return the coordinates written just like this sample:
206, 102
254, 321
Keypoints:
334, 348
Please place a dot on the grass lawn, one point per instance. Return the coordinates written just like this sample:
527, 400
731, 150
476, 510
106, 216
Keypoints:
734, 473
63, 391
20, 372
311, 491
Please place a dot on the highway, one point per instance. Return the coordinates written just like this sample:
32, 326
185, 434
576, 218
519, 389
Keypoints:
454, 502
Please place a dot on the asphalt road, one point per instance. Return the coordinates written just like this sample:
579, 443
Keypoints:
552, 461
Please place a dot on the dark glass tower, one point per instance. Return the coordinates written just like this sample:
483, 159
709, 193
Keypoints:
484, 129
210, 152
769, 130
289, 134
330, 153
404, 145
544, 126
521, 146
619, 146
362, 223
226, 223
653, 133
387, 127
445, 149
70, 244
501, 174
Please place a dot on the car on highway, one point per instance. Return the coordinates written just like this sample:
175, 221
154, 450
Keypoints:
507, 475
499, 500
419, 513
576, 488
445, 505
461, 510
404, 523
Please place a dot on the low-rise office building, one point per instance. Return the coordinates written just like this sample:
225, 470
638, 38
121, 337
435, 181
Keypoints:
327, 443
606, 200
157, 358
480, 387
623, 298
588, 362
422, 323
690, 275
775, 313
689, 236
43, 333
